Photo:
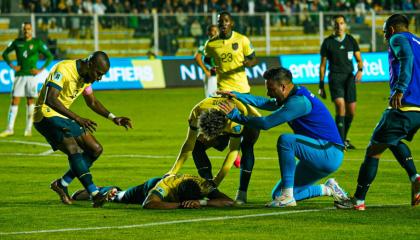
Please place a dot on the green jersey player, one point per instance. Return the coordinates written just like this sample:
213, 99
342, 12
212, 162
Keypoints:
27, 51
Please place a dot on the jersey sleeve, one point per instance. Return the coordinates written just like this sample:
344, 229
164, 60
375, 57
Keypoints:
6, 52
56, 78
247, 47
401, 47
161, 189
324, 48
207, 51
356, 47
87, 91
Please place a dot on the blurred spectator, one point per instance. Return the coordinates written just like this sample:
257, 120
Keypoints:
360, 10
6, 6
98, 7
182, 20
76, 8
196, 31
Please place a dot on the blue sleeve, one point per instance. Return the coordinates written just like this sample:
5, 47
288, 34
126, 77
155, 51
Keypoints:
295, 107
256, 101
402, 50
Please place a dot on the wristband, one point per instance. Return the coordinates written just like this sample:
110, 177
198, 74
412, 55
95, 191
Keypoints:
111, 116
360, 69
203, 202
321, 84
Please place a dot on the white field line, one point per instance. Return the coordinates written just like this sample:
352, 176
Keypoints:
210, 219
26, 143
58, 154
49, 153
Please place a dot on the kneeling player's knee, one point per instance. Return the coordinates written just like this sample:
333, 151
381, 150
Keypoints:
285, 141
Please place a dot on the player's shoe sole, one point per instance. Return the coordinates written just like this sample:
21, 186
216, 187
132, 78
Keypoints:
61, 191
282, 201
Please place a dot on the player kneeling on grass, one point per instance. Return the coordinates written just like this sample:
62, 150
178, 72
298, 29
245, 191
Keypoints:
67, 131
316, 141
209, 127
170, 192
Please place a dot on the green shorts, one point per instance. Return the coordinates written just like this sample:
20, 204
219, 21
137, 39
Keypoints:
55, 129
396, 125
342, 85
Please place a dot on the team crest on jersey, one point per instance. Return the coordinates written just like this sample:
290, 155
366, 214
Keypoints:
235, 46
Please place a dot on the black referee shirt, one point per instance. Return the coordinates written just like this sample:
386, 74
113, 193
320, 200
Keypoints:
339, 54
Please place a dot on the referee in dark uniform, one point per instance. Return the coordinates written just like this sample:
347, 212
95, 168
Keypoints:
339, 49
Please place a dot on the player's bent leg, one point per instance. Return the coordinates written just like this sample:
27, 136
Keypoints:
249, 138
367, 173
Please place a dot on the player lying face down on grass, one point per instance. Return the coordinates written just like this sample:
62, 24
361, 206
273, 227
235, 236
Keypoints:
315, 141
209, 127
69, 132
170, 192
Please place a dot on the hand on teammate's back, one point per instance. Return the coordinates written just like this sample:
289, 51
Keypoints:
123, 121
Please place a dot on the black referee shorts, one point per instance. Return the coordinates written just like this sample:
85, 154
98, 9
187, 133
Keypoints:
342, 85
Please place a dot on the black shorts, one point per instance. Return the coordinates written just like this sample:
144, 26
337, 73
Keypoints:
54, 129
342, 85
137, 194
396, 125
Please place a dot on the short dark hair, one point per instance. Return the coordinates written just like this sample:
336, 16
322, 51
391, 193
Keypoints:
209, 27
189, 190
397, 21
100, 55
335, 17
25, 23
225, 13
279, 74
212, 122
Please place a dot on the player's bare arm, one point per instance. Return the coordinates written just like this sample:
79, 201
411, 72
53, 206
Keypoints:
93, 103
53, 102
185, 151
322, 68
234, 145
199, 60
359, 73
153, 201
219, 199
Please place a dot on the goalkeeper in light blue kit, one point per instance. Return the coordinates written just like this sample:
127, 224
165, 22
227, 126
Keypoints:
316, 141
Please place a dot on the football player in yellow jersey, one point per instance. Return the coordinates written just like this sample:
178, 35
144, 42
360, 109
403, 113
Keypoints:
209, 127
67, 131
231, 52
173, 191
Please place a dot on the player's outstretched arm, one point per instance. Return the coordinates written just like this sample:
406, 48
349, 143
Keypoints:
53, 102
93, 103
153, 201
219, 199
185, 151
322, 68
234, 145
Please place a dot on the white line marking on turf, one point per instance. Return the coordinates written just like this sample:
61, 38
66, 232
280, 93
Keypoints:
49, 153
210, 219
160, 156
27, 142
164, 223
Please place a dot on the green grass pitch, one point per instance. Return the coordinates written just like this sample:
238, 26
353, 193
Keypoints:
30, 210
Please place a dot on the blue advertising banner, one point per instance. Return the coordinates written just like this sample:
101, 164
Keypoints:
305, 68
125, 73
